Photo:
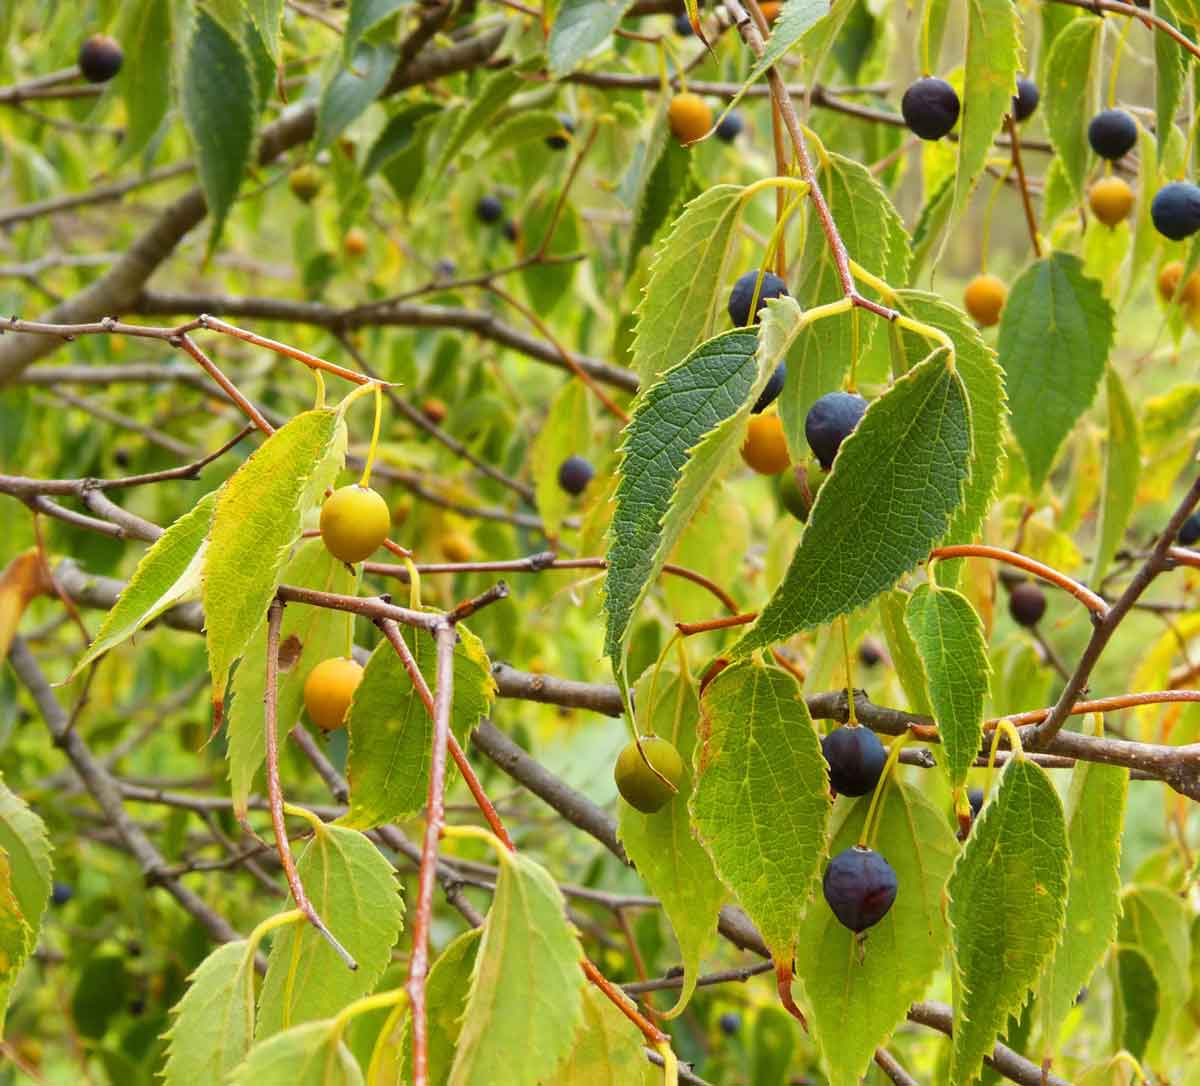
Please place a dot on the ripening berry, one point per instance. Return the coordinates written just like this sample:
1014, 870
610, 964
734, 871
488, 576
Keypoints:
860, 887
329, 689
765, 448
1027, 603
770, 10
574, 474
354, 522
930, 107
559, 140
640, 786
830, 421
456, 547
856, 758
796, 492
689, 116
1175, 210
1025, 101
1112, 133
984, 298
742, 295
1111, 200
870, 653
1168, 284
100, 58
434, 410
355, 242
305, 182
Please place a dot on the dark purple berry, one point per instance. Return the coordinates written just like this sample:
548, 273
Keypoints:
445, 268
1175, 210
100, 58
930, 108
772, 390
730, 127
860, 887
1027, 604
575, 474
870, 653
975, 799
561, 139
1025, 101
856, 758
1112, 133
730, 1022
61, 893
1189, 530
743, 294
829, 421
683, 25
489, 209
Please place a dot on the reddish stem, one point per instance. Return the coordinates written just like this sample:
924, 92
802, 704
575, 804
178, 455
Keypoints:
1048, 573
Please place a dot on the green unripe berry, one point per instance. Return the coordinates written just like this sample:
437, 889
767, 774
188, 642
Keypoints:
638, 784
354, 522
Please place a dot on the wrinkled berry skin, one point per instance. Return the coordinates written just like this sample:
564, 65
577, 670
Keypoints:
489, 209
930, 107
730, 1022
730, 127
61, 893
829, 421
856, 758
1025, 101
743, 293
560, 140
860, 887
574, 474
975, 799
1027, 604
100, 58
1175, 210
1189, 530
1112, 133
771, 392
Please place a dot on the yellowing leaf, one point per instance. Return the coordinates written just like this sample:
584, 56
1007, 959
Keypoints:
23, 580
17, 936
608, 1049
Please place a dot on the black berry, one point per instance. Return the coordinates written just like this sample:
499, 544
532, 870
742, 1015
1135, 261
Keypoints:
1027, 604
730, 127
574, 475
975, 799
859, 887
489, 208
1189, 530
743, 294
870, 653
560, 140
772, 390
1025, 101
856, 757
930, 108
1175, 210
100, 58
829, 421
683, 25
511, 231
730, 1022
1112, 133
61, 893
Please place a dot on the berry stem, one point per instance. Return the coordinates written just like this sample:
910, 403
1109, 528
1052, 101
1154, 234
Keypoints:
1007, 728
849, 670
868, 830
365, 479
414, 583
1047, 573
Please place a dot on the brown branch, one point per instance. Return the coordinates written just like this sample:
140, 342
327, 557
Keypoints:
1023, 185
1147, 18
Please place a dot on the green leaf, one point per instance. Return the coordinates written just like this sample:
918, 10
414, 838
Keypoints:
214, 1021
761, 800
24, 887
267, 16
933, 30
897, 480
792, 23
364, 16
307, 635
1068, 76
677, 310
397, 135
683, 431
1008, 890
566, 432
353, 888
935, 213
526, 997
219, 102
1122, 471
608, 1049
256, 522
17, 935
669, 859
311, 1054
1170, 70
1095, 821
579, 27
168, 572
949, 635
1055, 335
903, 650
391, 732
993, 59
665, 183
145, 86
858, 999
351, 90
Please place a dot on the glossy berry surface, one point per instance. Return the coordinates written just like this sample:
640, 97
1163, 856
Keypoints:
730, 1022
100, 58
559, 140
1027, 604
574, 474
855, 757
1111, 200
354, 522
730, 127
1189, 530
1112, 133
305, 182
61, 893
639, 786
829, 421
984, 299
1175, 210
771, 390
489, 208
329, 689
860, 887
1025, 101
742, 295
765, 448
930, 107
689, 117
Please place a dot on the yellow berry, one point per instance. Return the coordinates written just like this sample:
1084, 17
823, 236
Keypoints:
689, 116
355, 241
984, 299
456, 547
765, 448
1111, 200
329, 689
354, 522
638, 784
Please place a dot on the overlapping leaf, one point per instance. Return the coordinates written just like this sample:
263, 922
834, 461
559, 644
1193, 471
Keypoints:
146, 85
1067, 75
1122, 470
351, 90
24, 887
364, 16
608, 1050
17, 936
579, 27
905, 658
311, 1054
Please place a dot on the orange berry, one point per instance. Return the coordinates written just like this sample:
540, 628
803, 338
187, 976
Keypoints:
689, 116
765, 448
984, 299
1111, 200
354, 522
456, 547
355, 242
1168, 284
434, 410
329, 689
770, 10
